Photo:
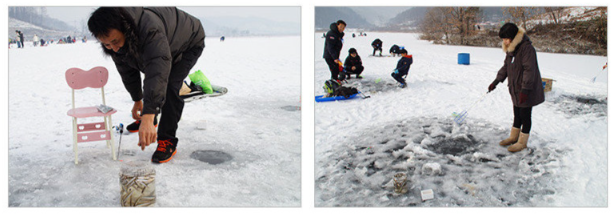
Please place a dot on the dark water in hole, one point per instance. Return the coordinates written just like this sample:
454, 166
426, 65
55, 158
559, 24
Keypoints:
369, 86
454, 147
582, 105
211, 156
586, 100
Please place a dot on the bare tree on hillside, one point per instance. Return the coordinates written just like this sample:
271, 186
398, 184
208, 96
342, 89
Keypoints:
555, 13
450, 23
520, 15
463, 19
436, 25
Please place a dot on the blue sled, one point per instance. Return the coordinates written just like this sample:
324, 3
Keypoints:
321, 98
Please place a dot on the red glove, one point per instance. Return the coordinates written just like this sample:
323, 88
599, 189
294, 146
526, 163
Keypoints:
523, 97
492, 86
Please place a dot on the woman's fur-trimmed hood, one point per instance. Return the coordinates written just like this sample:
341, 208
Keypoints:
517, 39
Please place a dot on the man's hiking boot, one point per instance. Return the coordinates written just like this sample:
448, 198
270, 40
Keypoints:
166, 149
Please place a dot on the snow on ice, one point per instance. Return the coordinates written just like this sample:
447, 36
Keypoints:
240, 149
361, 144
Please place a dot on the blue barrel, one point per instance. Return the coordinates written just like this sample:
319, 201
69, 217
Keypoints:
463, 58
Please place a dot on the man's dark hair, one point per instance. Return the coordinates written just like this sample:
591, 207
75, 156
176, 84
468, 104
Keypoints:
104, 19
341, 22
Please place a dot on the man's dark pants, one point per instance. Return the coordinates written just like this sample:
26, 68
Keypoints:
173, 105
334, 68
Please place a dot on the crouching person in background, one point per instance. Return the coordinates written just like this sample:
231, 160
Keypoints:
353, 64
402, 69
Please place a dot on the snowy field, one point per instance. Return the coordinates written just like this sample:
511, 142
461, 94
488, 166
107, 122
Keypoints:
257, 123
361, 143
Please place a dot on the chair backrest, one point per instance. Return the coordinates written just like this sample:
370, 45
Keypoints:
96, 77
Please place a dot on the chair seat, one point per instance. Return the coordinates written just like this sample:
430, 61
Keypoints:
84, 112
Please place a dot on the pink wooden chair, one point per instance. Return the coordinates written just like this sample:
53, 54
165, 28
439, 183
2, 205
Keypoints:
99, 131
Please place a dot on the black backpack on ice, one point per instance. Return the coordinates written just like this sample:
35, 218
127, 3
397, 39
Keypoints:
345, 91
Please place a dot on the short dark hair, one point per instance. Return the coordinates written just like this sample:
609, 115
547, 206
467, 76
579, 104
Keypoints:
104, 19
403, 51
352, 50
341, 22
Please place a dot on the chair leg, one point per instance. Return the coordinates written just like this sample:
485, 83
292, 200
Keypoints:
74, 138
112, 141
106, 128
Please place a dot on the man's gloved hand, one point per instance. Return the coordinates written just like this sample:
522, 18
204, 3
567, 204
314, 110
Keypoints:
396, 71
523, 97
492, 86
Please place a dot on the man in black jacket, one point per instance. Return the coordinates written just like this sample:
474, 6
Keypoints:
377, 45
163, 44
332, 48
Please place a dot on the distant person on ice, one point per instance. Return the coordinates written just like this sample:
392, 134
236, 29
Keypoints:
332, 48
20, 39
523, 80
35, 40
163, 44
17, 40
402, 68
353, 64
377, 45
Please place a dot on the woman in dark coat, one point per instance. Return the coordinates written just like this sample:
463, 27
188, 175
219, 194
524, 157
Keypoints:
524, 82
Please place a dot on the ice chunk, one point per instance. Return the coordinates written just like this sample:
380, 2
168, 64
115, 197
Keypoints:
431, 169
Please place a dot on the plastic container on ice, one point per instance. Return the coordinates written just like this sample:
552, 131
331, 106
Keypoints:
137, 182
463, 58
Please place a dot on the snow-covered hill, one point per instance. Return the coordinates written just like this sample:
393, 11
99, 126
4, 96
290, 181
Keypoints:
29, 30
257, 123
361, 143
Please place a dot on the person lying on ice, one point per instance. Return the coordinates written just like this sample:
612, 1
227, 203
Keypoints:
402, 68
353, 64
163, 44
523, 80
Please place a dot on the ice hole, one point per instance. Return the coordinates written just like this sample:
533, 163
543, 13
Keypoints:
291, 108
453, 146
211, 156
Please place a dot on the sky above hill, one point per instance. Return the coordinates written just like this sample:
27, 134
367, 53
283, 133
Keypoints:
73, 15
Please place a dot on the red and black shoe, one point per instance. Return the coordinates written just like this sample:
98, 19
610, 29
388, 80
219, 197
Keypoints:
166, 150
134, 127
